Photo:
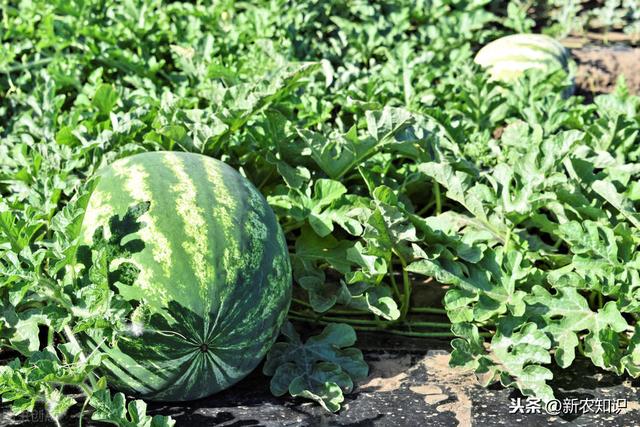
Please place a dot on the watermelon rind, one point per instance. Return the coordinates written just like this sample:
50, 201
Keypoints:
507, 58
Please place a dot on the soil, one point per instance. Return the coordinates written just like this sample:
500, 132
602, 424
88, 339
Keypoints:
458, 381
599, 67
410, 384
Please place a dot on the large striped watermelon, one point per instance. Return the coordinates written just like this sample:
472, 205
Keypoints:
214, 271
508, 57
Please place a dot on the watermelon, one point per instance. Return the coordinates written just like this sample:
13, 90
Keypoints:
214, 275
508, 57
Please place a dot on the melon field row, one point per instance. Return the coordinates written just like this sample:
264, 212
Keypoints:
188, 189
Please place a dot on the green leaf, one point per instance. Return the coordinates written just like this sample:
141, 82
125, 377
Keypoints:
339, 153
57, 403
377, 300
325, 193
520, 350
324, 384
602, 343
467, 348
105, 99
322, 369
312, 251
487, 289
322, 294
565, 314
608, 192
115, 411
100, 282
460, 187
26, 336
631, 361
568, 313
388, 229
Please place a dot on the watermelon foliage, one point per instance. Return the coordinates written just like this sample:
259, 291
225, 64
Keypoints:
390, 160
114, 410
66, 364
321, 369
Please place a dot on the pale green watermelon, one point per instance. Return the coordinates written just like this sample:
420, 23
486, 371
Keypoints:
508, 57
214, 269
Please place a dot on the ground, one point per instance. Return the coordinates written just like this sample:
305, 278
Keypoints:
410, 384
599, 67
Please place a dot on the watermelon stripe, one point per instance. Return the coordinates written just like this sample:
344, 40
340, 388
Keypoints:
224, 209
165, 191
135, 180
123, 370
209, 332
187, 373
195, 243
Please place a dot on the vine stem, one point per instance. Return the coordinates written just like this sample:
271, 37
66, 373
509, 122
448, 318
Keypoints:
50, 334
369, 321
265, 180
394, 284
72, 339
425, 208
431, 324
580, 347
406, 296
88, 392
436, 191
292, 227
385, 330
301, 302
346, 312
55, 289
507, 240
26, 66
557, 244
431, 310
600, 300
359, 312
